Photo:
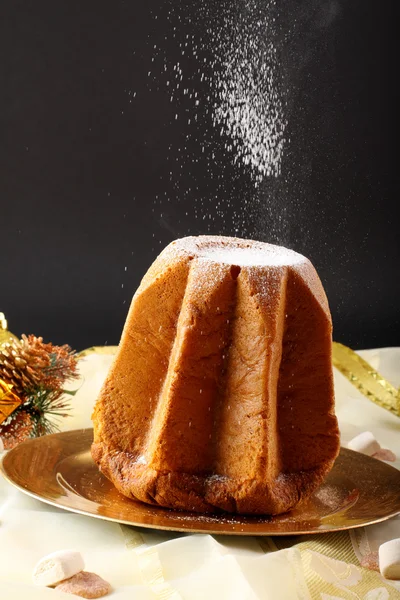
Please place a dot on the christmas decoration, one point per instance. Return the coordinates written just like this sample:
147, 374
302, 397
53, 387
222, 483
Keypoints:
8, 400
366, 379
32, 378
29, 363
5, 335
16, 430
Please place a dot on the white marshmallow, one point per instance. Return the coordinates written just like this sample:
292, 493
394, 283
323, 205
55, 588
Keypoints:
365, 443
56, 567
389, 559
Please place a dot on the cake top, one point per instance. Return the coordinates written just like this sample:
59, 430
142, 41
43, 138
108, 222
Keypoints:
236, 251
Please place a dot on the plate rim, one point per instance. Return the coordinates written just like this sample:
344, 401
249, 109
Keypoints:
177, 528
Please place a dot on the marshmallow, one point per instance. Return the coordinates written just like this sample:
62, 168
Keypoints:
365, 443
56, 567
385, 454
389, 559
86, 585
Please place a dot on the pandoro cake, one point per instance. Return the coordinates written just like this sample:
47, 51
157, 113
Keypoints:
221, 394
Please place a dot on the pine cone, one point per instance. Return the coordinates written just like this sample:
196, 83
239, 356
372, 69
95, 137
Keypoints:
22, 363
18, 429
29, 363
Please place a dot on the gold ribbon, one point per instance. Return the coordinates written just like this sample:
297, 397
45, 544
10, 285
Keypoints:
8, 401
365, 378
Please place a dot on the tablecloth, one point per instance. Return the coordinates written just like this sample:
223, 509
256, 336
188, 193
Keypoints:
143, 564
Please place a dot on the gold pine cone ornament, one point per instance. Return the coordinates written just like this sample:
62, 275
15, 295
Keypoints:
32, 378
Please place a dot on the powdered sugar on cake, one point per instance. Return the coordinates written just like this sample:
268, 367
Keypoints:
235, 251
252, 256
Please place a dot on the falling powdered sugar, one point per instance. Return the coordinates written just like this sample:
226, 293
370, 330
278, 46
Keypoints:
248, 106
218, 70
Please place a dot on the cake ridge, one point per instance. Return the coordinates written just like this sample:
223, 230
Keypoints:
148, 445
185, 394
236, 273
299, 406
239, 394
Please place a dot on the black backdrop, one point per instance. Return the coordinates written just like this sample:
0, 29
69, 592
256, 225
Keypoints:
97, 175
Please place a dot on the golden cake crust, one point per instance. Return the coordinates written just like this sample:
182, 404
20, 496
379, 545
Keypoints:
221, 394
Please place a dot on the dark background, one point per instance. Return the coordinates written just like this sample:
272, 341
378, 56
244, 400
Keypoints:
97, 175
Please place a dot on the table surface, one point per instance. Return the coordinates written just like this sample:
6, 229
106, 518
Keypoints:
147, 564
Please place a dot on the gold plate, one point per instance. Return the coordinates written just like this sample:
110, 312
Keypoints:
58, 469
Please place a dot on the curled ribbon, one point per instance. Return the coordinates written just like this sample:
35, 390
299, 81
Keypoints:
365, 378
